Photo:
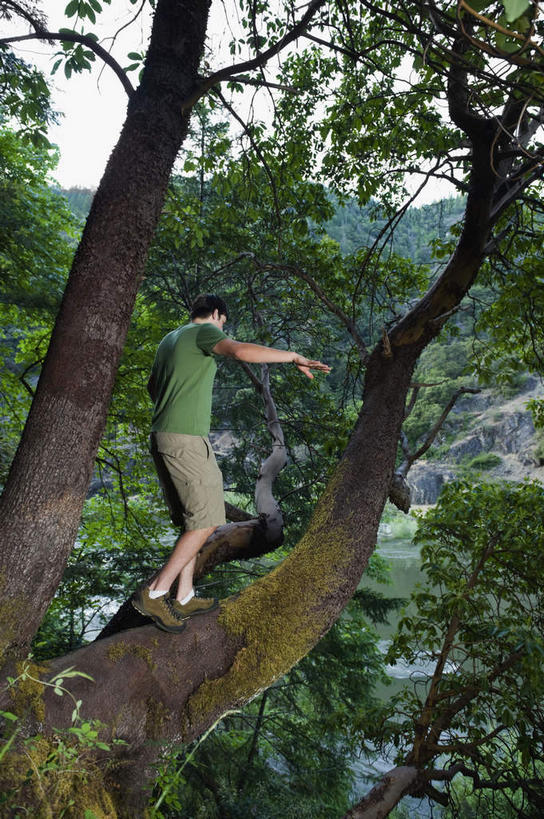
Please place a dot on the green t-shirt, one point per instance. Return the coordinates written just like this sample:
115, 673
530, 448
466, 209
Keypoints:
182, 379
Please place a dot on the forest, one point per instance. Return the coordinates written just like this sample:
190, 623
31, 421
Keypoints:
302, 212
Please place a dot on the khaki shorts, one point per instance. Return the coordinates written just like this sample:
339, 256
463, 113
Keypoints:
191, 481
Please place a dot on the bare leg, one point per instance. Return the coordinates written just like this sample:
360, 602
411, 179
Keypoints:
185, 582
182, 562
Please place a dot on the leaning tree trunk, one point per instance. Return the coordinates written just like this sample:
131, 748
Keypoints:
41, 505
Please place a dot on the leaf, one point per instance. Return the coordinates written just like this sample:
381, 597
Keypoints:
9, 715
478, 5
515, 8
71, 8
75, 673
506, 43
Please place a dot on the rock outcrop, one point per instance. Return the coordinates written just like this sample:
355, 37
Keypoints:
495, 427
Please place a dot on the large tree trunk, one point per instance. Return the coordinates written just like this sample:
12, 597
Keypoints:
41, 505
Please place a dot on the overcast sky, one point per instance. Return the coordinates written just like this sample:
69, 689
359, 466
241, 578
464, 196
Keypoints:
93, 106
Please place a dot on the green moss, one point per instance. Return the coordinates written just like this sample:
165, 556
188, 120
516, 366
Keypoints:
298, 594
116, 652
42, 782
27, 692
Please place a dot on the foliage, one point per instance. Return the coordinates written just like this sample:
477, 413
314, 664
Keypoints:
36, 234
476, 629
48, 768
514, 277
24, 99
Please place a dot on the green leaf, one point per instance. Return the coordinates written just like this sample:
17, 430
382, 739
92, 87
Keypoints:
71, 8
515, 8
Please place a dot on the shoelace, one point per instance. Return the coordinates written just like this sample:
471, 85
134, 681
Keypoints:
173, 611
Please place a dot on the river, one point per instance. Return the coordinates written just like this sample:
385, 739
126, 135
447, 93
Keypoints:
405, 572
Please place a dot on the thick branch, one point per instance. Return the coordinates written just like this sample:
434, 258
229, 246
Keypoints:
386, 794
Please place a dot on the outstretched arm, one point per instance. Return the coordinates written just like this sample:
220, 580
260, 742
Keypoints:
257, 354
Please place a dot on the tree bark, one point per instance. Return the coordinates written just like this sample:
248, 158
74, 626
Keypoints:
42, 501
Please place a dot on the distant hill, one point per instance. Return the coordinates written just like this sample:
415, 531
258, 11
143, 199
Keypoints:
79, 200
354, 227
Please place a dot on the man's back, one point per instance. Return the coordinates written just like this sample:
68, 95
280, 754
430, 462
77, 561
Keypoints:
182, 379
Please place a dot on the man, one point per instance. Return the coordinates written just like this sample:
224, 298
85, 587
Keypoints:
180, 387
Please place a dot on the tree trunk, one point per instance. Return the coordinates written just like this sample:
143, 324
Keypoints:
42, 501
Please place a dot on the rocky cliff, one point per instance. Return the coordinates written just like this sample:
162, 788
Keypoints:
486, 435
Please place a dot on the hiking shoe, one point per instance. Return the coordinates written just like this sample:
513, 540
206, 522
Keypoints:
160, 610
196, 605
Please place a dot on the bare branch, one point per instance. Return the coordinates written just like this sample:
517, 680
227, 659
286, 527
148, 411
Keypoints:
334, 308
72, 37
250, 65
405, 466
257, 150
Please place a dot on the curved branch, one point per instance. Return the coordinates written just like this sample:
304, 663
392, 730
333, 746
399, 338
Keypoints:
265, 503
84, 39
37, 23
411, 457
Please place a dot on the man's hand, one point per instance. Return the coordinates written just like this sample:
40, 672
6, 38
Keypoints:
306, 364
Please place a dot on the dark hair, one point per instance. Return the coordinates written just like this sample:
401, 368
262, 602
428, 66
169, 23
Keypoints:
205, 304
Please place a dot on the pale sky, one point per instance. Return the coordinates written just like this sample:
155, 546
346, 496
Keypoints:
93, 105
